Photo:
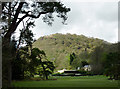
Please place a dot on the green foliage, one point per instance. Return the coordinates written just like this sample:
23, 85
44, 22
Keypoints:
83, 63
72, 57
37, 56
20, 64
112, 65
59, 46
26, 74
17, 68
27, 64
98, 57
36, 52
26, 35
82, 72
87, 51
49, 67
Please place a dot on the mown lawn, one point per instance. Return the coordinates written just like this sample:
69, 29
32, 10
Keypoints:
81, 81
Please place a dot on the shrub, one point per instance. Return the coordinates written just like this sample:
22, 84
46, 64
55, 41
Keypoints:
82, 72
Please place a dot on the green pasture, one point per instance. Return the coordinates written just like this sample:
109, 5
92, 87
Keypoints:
67, 81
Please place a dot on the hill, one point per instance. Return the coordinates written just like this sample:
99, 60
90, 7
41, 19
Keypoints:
59, 47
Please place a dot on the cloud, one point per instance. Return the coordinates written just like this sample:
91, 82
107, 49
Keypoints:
92, 19
108, 12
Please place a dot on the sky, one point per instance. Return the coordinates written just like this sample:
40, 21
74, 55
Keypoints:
92, 19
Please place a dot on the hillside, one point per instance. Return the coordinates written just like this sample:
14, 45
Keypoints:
58, 47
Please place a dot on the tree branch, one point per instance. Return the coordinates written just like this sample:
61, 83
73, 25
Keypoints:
6, 13
21, 19
13, 26
32, 16
20, 37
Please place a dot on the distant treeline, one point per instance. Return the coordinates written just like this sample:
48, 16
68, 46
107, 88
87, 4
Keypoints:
72, 51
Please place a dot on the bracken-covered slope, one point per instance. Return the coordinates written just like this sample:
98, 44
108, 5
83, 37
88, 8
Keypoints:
58, 47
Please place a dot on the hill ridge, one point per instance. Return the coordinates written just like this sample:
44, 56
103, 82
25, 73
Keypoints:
58, 47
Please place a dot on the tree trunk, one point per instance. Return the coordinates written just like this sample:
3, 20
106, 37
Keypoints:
6, 66
7, 56
14, 24
43, 68
10, 73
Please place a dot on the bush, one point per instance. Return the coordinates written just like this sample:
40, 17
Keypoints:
26, 74
82, 72
89, 73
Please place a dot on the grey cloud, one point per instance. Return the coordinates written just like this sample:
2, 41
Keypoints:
90, 19
108, 12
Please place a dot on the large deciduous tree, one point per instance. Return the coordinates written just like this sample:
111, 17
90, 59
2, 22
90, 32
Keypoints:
15, 12
97, 57
112, 65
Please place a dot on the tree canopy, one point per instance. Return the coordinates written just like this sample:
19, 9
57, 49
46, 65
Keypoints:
15, 12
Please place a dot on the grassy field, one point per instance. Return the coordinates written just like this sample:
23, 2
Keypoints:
81, 81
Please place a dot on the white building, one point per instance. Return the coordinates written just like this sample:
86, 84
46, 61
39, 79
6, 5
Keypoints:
87, 68
61, 71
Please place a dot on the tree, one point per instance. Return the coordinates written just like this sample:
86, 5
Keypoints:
112, 65
26, 35
72, 57
96, 62
27, 64
15, 12
47, 66
20, 63
83, 63
36, 59
8, 52
81, 59
47, 69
